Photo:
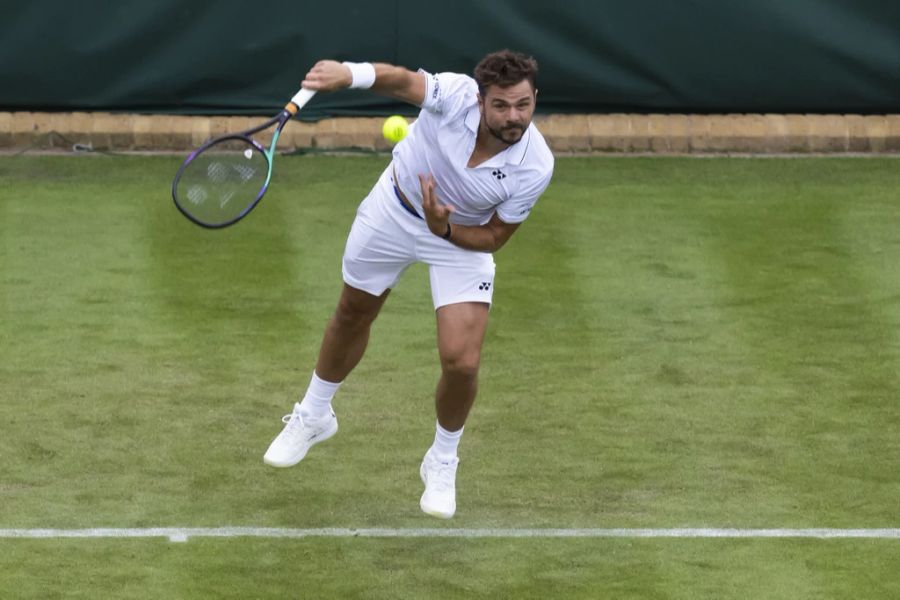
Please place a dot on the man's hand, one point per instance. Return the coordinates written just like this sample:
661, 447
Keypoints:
328, 76
437, 215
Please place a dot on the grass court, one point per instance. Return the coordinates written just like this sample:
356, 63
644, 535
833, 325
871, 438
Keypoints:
675, 342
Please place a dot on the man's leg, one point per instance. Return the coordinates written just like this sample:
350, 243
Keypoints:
461, 329
347, 333
343, 346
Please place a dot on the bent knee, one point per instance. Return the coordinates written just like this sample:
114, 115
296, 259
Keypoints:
463, 364
353, 315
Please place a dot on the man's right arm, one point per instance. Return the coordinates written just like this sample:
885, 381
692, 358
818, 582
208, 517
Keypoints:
390, 80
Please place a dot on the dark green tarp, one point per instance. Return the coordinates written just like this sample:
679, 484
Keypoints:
238, 56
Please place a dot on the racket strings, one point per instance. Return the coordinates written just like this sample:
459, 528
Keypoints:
223, 182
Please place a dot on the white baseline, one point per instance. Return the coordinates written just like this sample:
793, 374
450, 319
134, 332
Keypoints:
182, 534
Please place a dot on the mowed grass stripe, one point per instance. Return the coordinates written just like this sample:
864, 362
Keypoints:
805, 316
177, 534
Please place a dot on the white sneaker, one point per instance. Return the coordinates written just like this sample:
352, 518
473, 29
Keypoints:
439, 499
297, 437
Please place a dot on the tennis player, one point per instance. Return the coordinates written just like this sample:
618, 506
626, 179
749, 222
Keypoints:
466, 176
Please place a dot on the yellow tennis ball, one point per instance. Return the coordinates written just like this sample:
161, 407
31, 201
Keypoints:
395, 128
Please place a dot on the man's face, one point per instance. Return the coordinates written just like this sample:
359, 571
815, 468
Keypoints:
506, 112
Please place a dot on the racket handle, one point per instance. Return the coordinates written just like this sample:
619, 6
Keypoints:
299, 100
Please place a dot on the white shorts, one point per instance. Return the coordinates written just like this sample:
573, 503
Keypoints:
386, 239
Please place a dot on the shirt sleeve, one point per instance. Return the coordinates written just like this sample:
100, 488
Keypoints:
444, 92
517, 208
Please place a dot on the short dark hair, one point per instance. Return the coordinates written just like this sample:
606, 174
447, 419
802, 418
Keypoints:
505, 68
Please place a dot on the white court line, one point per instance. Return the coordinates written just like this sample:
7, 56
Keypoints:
182, 534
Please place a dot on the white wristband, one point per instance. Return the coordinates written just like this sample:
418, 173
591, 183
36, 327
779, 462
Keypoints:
363, 75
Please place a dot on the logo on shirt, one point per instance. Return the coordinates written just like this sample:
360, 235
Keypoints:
498, 174
485, 286
435, 92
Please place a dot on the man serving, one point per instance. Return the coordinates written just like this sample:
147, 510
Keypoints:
466, 176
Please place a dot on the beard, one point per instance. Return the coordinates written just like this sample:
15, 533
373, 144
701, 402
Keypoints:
508, 134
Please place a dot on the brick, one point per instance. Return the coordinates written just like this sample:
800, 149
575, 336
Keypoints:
828, 133
552, 128
5, 129
122, 132
797, 134
142, 127
383, 145
735, 133
718, 139
99, 136
639, 138
669, 133
577, 129
699, 128
40, 123
170, 132
857, 140
609, 133
183, 133
44, 131
219, 126
892, 141
60, 129
749, 134
110, 131
299, 134
776, 132
358, 132
324, 135
200, 131
22, 129
875, 128
658, 133
158, 134
81, 124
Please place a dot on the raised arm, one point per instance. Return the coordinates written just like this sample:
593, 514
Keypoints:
390, 80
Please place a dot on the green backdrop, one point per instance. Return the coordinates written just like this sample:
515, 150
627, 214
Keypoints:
241, 56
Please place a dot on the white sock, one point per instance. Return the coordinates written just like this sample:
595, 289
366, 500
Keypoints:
317, 401
445, 443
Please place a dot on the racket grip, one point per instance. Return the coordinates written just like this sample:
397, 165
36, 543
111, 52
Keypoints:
299, 100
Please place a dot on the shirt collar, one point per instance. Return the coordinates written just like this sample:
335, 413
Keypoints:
514, 155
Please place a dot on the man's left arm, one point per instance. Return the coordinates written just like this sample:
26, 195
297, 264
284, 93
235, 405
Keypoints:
489, 237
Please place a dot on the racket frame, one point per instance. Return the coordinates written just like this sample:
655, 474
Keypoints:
281, 119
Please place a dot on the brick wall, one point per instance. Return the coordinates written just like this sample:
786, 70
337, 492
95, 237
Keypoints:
767, 133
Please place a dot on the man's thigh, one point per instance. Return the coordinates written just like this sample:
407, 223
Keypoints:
461, 328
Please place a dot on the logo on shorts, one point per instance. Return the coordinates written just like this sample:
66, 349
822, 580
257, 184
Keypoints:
498, 174
485, 286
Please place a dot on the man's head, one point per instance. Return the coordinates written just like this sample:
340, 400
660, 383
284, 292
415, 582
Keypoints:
506, 93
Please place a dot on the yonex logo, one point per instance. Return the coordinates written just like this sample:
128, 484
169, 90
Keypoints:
498, 174
485, 285
244, 172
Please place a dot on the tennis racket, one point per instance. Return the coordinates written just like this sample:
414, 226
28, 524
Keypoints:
220, 182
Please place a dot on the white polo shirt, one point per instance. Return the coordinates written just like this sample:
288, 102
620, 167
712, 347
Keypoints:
441, 142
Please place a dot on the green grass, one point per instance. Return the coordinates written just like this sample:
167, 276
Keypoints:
674, 343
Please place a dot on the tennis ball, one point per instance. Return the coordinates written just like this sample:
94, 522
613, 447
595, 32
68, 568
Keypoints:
395, 128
